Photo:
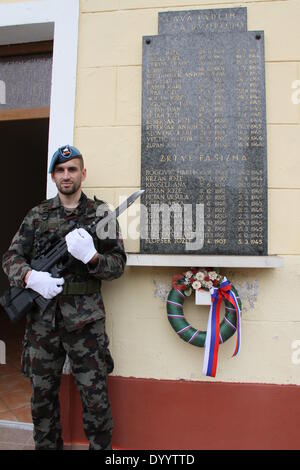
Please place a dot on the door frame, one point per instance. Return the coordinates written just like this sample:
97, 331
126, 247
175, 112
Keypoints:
43, 20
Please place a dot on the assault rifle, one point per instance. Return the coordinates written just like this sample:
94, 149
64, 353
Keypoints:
18, 301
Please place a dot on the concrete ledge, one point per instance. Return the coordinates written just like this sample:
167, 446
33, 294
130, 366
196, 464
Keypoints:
135, 259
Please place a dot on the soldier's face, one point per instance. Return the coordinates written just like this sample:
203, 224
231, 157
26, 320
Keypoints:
68, 176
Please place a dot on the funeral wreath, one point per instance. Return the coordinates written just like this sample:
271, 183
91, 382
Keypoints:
221, 290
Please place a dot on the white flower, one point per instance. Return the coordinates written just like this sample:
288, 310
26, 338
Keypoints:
199, 276
188, 274
196, 285
212, 275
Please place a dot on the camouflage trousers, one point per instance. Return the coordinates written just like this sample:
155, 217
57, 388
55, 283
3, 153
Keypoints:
43, 359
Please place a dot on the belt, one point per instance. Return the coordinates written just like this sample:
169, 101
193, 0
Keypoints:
91, 286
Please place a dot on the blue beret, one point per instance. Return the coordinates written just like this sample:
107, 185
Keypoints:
62, 155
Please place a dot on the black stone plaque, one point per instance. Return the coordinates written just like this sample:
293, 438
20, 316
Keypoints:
204, 144
217, 20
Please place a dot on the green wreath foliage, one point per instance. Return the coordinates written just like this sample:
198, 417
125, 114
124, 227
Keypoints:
185, 330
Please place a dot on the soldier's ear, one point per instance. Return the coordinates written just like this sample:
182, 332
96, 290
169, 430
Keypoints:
83, 174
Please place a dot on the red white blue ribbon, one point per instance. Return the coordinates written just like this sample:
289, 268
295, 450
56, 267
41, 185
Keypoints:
212, 340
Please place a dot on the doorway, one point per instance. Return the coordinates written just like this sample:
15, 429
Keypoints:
25, 70
24, 149
37, 23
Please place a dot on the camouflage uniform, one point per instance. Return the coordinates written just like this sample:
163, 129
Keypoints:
72, 324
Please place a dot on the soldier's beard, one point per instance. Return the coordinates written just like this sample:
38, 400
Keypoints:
69, 189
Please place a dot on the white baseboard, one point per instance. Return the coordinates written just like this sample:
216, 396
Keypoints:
16, 425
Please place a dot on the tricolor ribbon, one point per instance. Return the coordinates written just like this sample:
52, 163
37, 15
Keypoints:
213, 327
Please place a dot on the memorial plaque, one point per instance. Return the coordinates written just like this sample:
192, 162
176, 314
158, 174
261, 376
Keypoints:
26, 81
204, 144
217, 20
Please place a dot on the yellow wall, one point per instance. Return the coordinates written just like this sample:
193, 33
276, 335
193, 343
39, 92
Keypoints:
108, 131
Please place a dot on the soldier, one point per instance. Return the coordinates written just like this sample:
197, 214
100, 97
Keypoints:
74, 322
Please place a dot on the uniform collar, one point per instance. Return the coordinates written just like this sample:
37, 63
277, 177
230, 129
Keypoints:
56, 202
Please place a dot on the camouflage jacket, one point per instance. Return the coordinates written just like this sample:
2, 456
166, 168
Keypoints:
51, 219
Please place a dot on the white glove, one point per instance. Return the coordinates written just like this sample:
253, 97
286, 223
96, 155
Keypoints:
45, 284
81, 245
